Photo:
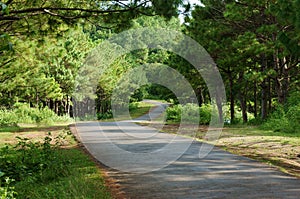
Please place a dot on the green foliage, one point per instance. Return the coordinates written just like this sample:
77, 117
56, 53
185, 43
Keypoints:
33, 161
23, 113
133, 106
286, 118
5, 44
293, 116
83, 181
106, 115
29, 161
42, 169
255, 121
293, 99
174, 113
191, 112
8, 118
256, 55
6, 190
205, 113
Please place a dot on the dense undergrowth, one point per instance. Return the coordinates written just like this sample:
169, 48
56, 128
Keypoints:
42, 169
23, 113
31, 162
193, 113
285, 118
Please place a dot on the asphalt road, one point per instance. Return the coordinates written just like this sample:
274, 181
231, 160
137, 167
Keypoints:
149, 164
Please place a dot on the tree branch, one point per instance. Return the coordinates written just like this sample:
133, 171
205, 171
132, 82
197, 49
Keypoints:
8, 2
30, 10
9, 18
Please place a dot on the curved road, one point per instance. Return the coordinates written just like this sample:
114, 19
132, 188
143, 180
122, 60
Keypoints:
148, 164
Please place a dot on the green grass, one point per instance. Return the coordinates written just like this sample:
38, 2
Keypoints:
143, 108
75, 174
84, 181
9, 129
255, 131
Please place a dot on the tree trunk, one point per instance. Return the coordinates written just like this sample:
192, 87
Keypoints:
219, 106
255, 99
56, 107
242, 97
244, 108
232, 116
68, 106
264, 91
36, 98
282, 80
269, 95
200, 96
264, 100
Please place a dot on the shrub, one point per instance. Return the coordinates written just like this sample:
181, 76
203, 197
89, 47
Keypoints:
106, 115
293, 116
33, 161
285, 119
174, 113
8, 118
190, 112
133, 106
255, 121
205, 113
23, 113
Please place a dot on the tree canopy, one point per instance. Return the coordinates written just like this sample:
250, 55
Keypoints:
254, 44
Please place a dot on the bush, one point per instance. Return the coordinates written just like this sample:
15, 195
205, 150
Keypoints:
255, 121
23, 113
106, 115
33, 161
205, 113
8, 118
133, 106
293, 117
174, 113
190, 112
285, 119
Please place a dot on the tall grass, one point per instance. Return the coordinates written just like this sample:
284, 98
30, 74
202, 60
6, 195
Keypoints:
23, 113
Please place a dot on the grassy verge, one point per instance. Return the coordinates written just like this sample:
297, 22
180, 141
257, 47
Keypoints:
278, 149
66, 171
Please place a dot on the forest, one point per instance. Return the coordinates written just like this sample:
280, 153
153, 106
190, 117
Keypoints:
57, 70
255, 45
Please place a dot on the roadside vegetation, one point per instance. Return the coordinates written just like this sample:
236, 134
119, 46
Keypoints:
22, 113
35, 163
44, 44
40, 158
